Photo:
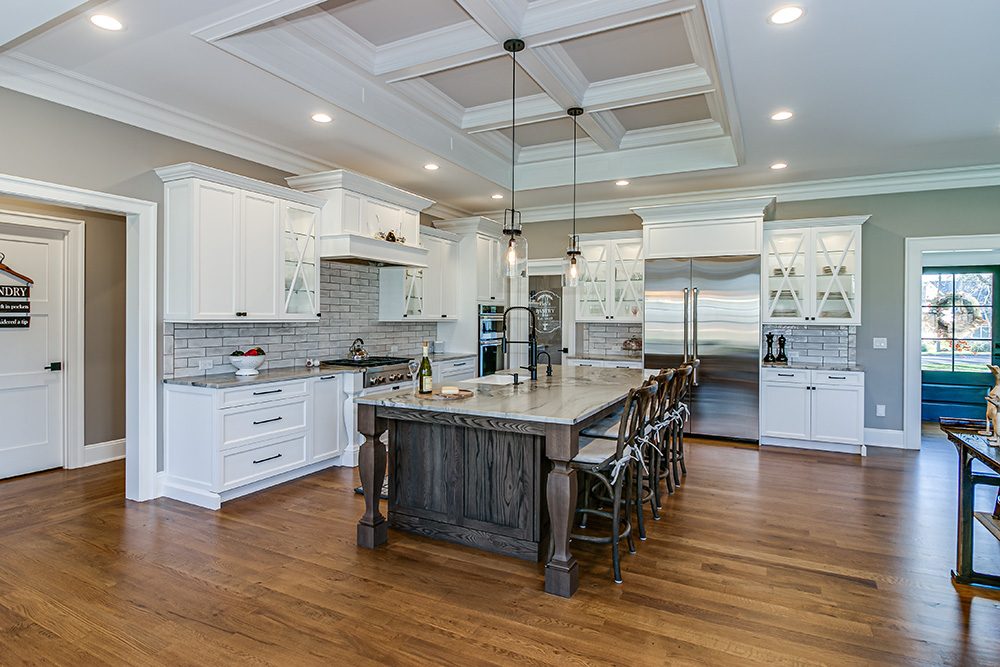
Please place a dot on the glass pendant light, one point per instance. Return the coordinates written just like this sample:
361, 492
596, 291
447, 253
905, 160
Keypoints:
514, 258
571, 265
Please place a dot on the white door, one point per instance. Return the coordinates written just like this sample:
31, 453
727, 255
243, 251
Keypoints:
31, 397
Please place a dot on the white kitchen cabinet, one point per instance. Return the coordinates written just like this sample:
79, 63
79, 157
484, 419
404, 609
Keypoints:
222, 443
408, 293
813, 409
602, 363
704, 229
454, 370
611, 278
236, 250
812, 271
489, 282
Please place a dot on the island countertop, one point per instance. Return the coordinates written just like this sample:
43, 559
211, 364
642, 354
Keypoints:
571, 395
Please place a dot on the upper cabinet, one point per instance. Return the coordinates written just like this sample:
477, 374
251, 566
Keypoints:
237, 249
428, 293
704, 229
489, 282
611, 278
365, 219
812, 271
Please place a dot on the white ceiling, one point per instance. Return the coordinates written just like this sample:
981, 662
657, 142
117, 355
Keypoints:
892, 86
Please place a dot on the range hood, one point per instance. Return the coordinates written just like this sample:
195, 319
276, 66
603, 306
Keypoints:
359, 212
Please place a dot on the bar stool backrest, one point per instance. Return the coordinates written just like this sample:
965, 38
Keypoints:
665, 380
635, 415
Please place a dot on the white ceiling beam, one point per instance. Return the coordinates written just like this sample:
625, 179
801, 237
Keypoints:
551, 21
604, 129
434, 51
255, 16
664, 84
496, 115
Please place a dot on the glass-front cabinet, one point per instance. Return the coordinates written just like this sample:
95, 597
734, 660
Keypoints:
812, 271
611, 280
300, 262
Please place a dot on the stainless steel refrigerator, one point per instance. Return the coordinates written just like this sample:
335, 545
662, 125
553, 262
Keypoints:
708, 308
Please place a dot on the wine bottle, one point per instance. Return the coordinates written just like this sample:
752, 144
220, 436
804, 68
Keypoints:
424, 373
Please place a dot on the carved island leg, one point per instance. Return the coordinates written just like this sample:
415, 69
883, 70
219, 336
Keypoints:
372, 528
562, 576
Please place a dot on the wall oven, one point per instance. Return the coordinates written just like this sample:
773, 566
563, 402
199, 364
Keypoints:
490, 337
490, 358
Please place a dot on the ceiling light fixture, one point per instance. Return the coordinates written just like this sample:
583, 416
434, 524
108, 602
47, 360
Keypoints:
105, 22
514, 261
497, 196
430, 166
622, 183
779, 165
786, 15
784, 114
322, 117
571, 269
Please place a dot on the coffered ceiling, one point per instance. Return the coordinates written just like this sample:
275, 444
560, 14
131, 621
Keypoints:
645, 71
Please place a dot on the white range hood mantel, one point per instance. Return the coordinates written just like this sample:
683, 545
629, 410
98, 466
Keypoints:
357, 209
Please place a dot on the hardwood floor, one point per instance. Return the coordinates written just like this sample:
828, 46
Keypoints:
769, 556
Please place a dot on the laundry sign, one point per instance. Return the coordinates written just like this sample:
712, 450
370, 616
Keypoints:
15, 300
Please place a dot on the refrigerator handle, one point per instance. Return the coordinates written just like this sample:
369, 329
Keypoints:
694, 333
686, 295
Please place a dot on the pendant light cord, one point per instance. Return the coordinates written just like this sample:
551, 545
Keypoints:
574, 180
513, 129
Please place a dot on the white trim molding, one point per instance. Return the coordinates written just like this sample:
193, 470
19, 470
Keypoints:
142, 366
104, 452
913, 270
176, 172
885, 437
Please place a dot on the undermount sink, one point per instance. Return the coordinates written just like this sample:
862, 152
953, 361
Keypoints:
491, 379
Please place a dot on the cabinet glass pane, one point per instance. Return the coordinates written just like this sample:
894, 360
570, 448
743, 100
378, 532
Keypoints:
300, 269
628, 280
593, 288
836, 273
413, 288
787, 279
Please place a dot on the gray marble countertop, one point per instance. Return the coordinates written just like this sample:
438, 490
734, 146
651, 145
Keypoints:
229, 380
447, 356
840, 368
571, 395
607, 357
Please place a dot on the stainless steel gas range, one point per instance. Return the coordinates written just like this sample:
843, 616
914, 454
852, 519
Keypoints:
382, 374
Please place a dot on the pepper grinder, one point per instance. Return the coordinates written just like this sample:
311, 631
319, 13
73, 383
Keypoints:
769, 357
782, 358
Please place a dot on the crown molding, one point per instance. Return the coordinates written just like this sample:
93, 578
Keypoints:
672, 134
727, 209
664, 84
476, 224
264, 12
853, 186
835, 221
40, 79
176, 172
349, 180
496, 115
427, 52
446, 212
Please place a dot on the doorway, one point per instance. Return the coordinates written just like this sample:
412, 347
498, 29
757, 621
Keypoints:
32, 331
545, 295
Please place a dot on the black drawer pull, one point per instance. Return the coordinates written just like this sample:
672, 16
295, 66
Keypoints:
269, 458
836, 377
464, 363
268, 421
270, 391
786, 375
328, 377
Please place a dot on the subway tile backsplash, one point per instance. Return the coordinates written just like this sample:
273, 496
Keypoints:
814, 344
606, 338
349, 300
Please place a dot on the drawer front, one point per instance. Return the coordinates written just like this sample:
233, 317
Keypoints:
834, 378
249, 465
781, 375
243, 425
623, 364
589, 363
458, 366
262, 393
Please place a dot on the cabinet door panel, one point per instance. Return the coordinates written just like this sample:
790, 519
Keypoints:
299, 296
837, 275
786, 282
498, 283
217, 252
432, 277
449, 280
626, 285
259, 268
484, 264
786, 411
329, 431
592, 292
838, 414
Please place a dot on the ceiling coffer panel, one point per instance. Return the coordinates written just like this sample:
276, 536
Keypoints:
634, 49
382, 22
665, 113
485, 82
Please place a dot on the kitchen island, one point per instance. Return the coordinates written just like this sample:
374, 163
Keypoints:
490, 471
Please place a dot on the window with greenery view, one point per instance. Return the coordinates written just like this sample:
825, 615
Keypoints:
957, 320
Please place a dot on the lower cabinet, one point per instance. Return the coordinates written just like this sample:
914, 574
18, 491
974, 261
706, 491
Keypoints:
454, 370
813, 409
602, 363
222, 443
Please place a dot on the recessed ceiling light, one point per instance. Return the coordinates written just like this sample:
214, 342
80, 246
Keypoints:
106, 22
430, 166
621, 183
498, 196
786, 15
779, 165
784, 114
322, 117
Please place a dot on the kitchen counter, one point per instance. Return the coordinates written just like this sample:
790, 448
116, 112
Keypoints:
487, 471
448, 356
841, 368
570, 395
606, 357
229, 380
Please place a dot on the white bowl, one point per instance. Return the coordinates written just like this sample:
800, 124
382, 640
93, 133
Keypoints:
247, 365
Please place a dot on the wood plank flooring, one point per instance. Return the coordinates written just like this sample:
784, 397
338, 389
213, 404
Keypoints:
762, 557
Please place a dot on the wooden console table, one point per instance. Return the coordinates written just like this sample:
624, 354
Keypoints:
973, 447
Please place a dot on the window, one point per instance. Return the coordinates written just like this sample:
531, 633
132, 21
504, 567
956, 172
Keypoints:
957, 320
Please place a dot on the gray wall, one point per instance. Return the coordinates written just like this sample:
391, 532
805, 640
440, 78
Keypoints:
894, 218
104, 317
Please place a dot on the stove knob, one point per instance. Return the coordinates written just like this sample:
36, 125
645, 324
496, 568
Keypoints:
378, 380
409, 376
396, 377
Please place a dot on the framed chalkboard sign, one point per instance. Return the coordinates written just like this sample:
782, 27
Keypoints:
15, 300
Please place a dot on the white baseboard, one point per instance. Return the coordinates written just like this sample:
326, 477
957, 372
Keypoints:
884, 437
103, 452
